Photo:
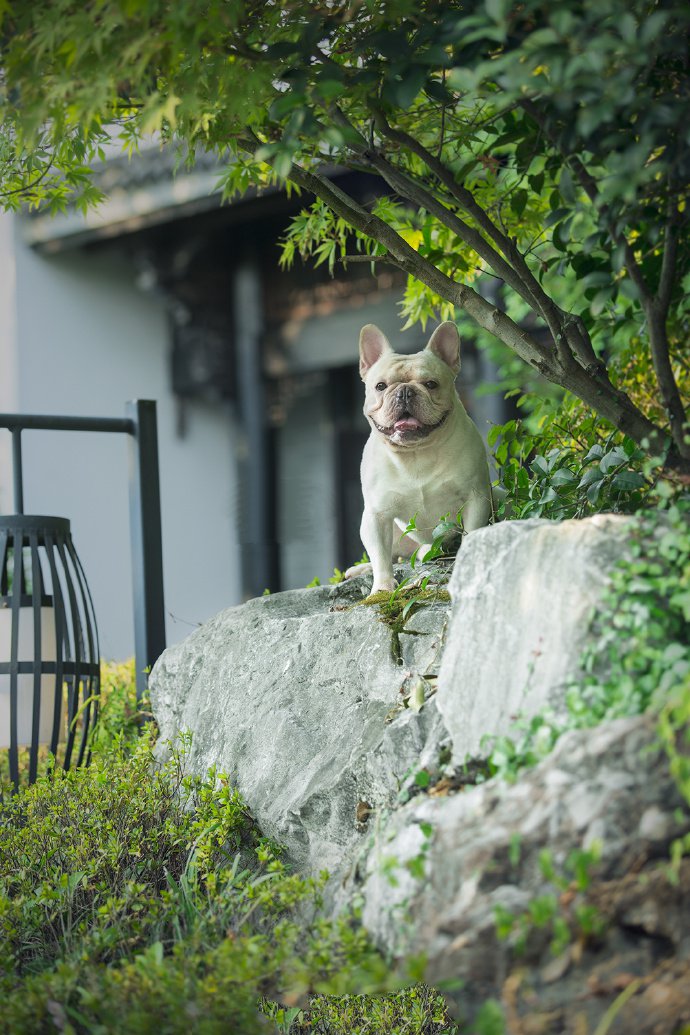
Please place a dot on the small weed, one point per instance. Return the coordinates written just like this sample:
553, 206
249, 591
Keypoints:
418, 1010
446, 538
562, 911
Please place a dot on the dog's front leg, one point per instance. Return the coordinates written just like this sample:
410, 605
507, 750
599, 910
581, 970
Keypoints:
377, 535
477, 511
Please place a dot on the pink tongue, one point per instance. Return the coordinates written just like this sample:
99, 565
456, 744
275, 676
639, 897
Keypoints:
407, 424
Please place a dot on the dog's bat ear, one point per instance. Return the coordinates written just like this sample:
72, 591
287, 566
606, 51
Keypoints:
445, 343
373, 344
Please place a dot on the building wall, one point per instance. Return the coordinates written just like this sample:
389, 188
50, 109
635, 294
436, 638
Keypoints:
306, 492
77, 336
86, 340
8, 364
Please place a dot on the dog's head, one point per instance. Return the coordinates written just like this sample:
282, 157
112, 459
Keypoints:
409, 398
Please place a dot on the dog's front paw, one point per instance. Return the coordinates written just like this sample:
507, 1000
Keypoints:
358, 569
383, 586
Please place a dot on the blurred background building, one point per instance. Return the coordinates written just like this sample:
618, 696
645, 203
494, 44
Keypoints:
163, 293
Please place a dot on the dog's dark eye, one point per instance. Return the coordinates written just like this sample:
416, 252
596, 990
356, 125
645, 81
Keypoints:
431, 384
380, 386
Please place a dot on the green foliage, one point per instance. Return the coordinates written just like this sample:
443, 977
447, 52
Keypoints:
490, 1019
120, 716
541, 144
568, 472
130, 891
136, 898
446, 538
674, 730
120, 719
639, 651
419, 1010
562, 912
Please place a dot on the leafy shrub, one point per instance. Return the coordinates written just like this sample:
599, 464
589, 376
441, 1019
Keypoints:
120, 720
674, 729
419, 1010
120, 716
118, 880
135, 898
553, 474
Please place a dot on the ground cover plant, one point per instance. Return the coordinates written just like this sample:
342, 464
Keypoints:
134, 898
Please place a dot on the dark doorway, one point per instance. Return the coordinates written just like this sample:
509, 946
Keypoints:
350, 433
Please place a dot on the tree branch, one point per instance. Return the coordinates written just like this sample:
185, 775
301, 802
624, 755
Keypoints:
656, 310
669, 257
604, 399
572, 341
484, 313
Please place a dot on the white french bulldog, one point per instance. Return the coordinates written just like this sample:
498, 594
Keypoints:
424, 457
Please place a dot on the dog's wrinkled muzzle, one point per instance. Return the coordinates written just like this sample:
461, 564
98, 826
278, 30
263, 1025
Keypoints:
409, 428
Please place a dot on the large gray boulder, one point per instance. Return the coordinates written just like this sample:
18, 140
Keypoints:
438, 871
300, 698
523, 593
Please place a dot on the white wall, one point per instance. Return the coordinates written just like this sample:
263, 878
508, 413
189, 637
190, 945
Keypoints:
306, 492
8, 366
87, 341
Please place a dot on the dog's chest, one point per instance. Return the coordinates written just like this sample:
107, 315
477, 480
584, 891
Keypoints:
403, 492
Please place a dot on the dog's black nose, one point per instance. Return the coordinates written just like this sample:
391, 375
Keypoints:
404, 394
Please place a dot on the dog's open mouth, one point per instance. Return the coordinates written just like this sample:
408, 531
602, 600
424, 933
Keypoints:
410, 427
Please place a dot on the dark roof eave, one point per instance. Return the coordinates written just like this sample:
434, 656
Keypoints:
124, 212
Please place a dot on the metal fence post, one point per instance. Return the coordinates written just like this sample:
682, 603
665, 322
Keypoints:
17, 468
145, 528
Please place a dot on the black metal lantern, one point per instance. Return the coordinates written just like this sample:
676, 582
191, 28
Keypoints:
49, 656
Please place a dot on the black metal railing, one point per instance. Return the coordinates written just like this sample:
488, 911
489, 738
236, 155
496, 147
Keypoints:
144, 512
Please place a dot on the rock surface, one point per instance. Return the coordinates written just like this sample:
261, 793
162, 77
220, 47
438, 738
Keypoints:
522, 594
293, 694
438, 871
298, 697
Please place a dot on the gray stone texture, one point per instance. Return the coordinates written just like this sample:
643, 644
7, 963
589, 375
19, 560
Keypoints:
299, 698
480, 849
522, 594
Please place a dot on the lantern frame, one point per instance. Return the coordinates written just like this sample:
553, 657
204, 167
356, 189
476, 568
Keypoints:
140, 426
53, 582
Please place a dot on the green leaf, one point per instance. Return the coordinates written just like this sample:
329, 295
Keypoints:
627, 481
593, 492
411, 86
497, 9
563, 476
566, 185
518, 202
595, 453
612, 459
591, 477
282, 164
556, 216
540, 465
548, 496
